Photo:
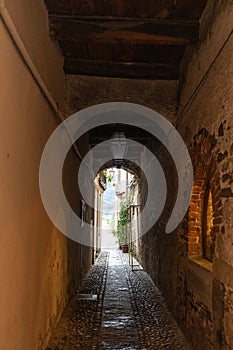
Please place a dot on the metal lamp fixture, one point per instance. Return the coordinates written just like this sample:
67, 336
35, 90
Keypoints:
119, 146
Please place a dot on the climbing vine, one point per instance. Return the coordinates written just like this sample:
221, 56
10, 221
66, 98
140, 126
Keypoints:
123, 219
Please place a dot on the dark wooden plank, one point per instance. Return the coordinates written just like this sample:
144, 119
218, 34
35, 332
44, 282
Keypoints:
102, 7
132, 70
99, 51
169, 28
82, 7
58, 6
156, 53
155, 31
124, 52
187, 29
123, 8
79, 7
74, 49
160, 9
91, 7
112, 37
86, 50
154, 9
188, 9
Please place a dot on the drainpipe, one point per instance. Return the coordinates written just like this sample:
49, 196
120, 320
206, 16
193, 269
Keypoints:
14, 34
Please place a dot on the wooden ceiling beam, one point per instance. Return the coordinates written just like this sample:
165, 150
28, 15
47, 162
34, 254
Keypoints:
133, 70
123, 52
188, 9
99, 29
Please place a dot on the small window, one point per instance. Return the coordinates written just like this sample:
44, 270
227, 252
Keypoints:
207, 226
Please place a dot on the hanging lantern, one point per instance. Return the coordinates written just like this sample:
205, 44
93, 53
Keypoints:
119, 147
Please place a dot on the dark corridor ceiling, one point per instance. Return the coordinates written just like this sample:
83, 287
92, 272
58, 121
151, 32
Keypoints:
124, 38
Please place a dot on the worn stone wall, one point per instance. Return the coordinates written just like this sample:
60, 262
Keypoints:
205, 122
161, 96
198, 291
163, 255
37, 262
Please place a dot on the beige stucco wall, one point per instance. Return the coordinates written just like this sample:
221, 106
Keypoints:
32, 24
35, 268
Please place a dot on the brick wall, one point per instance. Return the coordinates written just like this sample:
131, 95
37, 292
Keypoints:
205, 122
206, 179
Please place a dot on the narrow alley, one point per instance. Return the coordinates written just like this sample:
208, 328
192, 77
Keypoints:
116, 142
117, 308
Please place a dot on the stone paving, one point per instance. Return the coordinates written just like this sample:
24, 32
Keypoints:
117, 308
118, 329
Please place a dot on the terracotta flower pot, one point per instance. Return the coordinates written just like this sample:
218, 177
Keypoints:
125, 248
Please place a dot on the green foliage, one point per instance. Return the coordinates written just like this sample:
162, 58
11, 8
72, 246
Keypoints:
124, 214
124, 219
107, 176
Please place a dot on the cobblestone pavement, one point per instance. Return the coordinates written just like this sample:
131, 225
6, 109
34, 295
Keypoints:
117, 308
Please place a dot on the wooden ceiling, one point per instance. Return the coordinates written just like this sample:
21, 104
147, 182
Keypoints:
124, 38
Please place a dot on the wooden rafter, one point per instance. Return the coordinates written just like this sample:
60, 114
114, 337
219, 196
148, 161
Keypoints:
133, 70
124, 38
163, 32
